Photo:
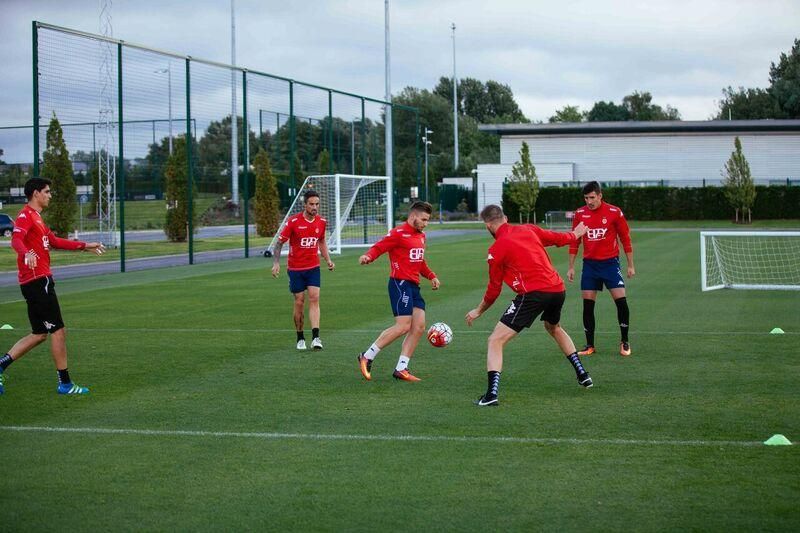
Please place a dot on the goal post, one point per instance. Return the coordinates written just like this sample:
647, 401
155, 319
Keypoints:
358, 209
764, 260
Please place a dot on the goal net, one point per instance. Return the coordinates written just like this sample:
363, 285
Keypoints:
750, 260
559, 219
358, 209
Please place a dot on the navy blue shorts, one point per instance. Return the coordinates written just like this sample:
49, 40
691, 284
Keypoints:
299, 280
596, 273
404, 297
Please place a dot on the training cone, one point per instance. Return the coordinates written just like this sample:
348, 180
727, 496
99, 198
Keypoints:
777, 331
6, 326
778, 440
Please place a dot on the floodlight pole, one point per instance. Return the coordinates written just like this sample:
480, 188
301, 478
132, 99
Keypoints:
388, 97
455, 102
426, 142
234, 113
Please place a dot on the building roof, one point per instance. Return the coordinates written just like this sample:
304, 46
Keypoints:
627, 127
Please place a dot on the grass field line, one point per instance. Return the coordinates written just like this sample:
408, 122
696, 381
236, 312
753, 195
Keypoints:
377, 330
392, 438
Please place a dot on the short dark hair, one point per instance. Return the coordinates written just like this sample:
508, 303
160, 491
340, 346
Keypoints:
309, 194
35, 184
492, 213
425, 207
592, 187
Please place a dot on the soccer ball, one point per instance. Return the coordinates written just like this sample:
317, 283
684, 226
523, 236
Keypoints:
440, 335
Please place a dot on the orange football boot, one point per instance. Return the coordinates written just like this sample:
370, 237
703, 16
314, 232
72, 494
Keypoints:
365, 365
624, 349
587, 350
404, 375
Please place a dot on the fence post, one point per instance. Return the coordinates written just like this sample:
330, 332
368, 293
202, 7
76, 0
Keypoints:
121, 173
190, 178
330, 131
246, 201
35, 98
363, 141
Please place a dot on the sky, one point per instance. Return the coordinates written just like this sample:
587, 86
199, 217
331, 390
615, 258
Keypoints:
551, 54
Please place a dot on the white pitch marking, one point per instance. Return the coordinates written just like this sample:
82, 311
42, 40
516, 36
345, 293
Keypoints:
395, 438
371, 331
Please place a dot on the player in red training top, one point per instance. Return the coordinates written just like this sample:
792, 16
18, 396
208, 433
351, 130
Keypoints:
305, 233
406, 248
601, 266
519, 259
32, 241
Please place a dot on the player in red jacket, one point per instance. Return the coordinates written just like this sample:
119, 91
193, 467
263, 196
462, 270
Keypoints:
305, 233
406, 248
606, 226
32, 241
518, 258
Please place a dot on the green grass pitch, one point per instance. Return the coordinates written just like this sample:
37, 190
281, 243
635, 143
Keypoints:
225, 426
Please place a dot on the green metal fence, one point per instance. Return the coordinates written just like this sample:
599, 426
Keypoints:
161, 99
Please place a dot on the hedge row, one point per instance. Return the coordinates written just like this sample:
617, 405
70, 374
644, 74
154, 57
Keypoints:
668, 203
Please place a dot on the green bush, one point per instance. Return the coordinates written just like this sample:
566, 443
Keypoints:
63, 210
177, 194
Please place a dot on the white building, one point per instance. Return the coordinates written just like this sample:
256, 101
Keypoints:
673, 153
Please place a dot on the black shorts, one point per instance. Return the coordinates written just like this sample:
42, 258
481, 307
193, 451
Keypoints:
526, 307
44, 312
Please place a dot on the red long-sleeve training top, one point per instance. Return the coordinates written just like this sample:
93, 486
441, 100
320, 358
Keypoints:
604, 224
519, 259
32, 234
406, 248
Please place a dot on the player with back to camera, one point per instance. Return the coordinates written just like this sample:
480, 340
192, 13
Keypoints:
32, 240
305, 233
405, 245
606, 226
519, 258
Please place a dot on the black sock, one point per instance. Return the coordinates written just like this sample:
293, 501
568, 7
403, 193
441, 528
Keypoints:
494, 383
300, 336
623, 315
576, 363
588, 321
63, 376
5, 361
314, 333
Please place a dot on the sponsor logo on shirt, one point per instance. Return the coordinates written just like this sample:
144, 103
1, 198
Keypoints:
308, 242
596, 234
416, 254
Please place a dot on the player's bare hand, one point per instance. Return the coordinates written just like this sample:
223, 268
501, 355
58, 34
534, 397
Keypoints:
331, 266
96, 247
31, 259
580, 230
364, 260
472, 316
435, 284
571, 274
276, 269
631, 271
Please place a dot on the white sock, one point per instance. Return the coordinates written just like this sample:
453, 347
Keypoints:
402, 363
372, 352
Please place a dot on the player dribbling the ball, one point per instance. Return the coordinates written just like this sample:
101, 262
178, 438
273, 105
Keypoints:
406, 248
